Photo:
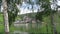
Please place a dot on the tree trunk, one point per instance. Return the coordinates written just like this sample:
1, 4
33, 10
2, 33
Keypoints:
6, 23
53, 24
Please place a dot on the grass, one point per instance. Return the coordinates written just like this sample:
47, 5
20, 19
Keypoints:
42, 29
1, 24
1, 18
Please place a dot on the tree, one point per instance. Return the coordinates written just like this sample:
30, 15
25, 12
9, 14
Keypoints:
9, 15
52, 18
47, 12
12, 14
0, 4
6, 23
13, 10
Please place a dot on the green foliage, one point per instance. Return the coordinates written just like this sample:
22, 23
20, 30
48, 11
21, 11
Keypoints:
0, 1
47, 10
14, 1
12, 14
39, 16
12, 10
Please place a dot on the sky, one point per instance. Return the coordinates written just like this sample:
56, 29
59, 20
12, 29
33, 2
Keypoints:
27, 8
58, 3
24, 8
